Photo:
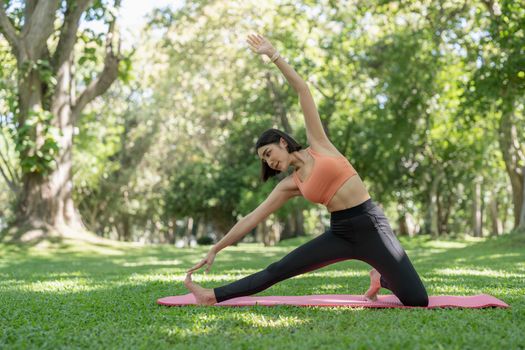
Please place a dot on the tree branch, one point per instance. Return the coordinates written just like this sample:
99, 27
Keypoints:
68, 32
39, 26
29, 8
11, 184
9, 31
14, 174
490, 6
99, 85
108, 75
14, 177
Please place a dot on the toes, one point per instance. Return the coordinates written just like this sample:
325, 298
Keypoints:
370, 296
188, 280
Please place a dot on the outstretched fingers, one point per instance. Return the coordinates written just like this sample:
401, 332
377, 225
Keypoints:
255, 38
253, 44
196, 267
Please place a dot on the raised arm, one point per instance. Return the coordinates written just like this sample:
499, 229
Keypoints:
314, 128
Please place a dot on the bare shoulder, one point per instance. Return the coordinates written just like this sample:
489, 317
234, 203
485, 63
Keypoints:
326, 148
288, 186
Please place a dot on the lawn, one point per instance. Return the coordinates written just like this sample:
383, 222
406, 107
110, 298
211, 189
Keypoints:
87, 295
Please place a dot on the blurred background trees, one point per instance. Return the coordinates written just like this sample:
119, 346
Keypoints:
424, 98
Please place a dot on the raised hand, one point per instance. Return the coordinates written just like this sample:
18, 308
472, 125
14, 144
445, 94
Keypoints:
260, 45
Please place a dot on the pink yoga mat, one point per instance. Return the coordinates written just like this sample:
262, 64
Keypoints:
383, 301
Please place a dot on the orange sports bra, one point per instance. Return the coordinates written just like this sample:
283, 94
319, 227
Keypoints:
328, 174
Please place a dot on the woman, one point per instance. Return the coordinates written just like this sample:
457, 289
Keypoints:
358, 227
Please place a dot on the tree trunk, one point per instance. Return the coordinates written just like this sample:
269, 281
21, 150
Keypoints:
49, 199
439, 213
45, 204
201, 229
299, 222
494, 217
505, 210
294, 225
513, 156
476, 210
402, 225
521, 225
170, 230
444, 213
289, 227
431, 222
222, 221
260, 231
126, 228
183, 230
272, 232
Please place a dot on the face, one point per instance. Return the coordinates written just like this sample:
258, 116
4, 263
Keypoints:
275, 155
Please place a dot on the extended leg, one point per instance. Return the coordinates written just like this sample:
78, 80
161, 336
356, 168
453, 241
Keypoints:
321, 251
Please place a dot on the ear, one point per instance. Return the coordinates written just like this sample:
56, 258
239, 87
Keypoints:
283, 142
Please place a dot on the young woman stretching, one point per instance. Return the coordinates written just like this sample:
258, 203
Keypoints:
358, 227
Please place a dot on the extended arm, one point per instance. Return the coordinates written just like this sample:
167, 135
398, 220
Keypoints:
275, 200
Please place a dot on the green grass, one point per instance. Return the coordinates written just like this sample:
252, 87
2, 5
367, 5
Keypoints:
103, 296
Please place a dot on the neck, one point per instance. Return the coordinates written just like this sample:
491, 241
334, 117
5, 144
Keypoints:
298, 159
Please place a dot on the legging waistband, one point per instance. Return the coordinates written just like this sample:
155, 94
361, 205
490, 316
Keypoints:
353, 211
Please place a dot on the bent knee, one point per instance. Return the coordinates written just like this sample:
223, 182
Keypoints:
281, 268
275, 267
420, 300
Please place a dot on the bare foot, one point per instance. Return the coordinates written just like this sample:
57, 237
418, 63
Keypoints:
375, 286
203, 296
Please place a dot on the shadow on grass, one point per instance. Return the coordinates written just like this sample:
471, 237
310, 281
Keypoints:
125, 313
108, 261
106, 295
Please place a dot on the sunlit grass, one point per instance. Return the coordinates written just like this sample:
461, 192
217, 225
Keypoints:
474, 272
104, 295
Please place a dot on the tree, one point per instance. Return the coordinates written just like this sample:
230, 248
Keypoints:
42, 36
498, 84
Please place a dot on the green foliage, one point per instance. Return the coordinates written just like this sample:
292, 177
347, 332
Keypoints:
388, 79
411, 92
125, 69
109, 149
38, 153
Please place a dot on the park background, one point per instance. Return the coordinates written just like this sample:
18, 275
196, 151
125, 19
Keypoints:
127, 148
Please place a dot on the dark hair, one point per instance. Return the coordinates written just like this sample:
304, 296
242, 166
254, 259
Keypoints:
274, 136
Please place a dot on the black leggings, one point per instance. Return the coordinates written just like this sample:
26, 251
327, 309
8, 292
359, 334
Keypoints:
361, 232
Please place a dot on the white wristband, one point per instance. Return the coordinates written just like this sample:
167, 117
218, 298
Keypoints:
275, 56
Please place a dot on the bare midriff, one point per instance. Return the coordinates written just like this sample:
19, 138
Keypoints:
353, 192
